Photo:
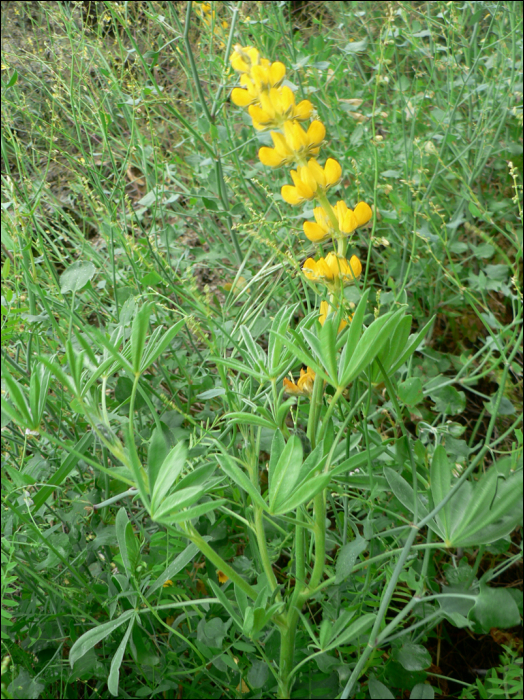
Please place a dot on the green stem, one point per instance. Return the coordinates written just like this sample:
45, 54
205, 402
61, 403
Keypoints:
287, 651
262, 547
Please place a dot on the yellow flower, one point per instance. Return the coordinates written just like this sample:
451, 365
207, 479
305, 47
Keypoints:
222, 578
325, 310
310, 178
332, 268
348, 221
243, 58
276, 107
304, 385
167, 583
294, 144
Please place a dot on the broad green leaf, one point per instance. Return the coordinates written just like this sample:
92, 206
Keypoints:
414, 341
76, 276
250, 419
258, 356
281, 323
156, 454
422, 691
177, 501
138, 336
127, 542
441, 485
355, 330
369, 345
448, 400
198, 476
413, 657
378, 691
302, 494
139, 474
347, 557
404, 492
179, 516
91, 638
278, 444
240, 478
17, 396
167, 474
328, 339
156, 348
114, 672
410, 391
38, 388
494, 607
283, 476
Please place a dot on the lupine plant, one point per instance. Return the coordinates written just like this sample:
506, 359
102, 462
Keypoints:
292, 449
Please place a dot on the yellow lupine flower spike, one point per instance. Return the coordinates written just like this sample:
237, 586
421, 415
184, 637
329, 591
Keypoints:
348, 221
293, 145
310, 178
332, 268
304, 385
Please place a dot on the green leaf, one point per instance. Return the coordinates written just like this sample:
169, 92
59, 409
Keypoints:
413, 657
226, 603
422, 691
414, 341
370, 345
494, 607
250, 419
354, 630
179, 563
62, 472
347, 557
159, 345
404, 492
127, 542
156, 454
183, 515
328, 339
440, 487
114, 673
76, 276
166, 474
354, 333
448, 400
410, 391
240, 478
138, 336
378, 691
302, 354
256, 353
302, 494
178, 500
284, 474
17, 396
91, 638
136, 467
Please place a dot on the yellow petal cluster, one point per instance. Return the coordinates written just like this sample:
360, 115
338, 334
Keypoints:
333, 268
276, 107
348, 221
294, 144
310, 178
304, 385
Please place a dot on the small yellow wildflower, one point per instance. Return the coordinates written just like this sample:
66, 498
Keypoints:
325, 310
332, 268
304, 385
310, 178
348, 221
167, 583
293, 145
222, 578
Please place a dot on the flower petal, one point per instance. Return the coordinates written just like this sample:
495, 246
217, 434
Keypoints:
333, 171
363, 213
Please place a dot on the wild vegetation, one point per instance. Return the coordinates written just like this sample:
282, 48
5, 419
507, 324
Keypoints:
261, 349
